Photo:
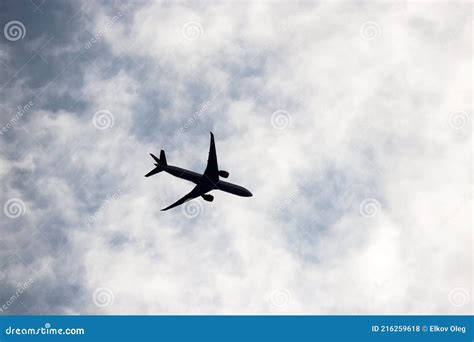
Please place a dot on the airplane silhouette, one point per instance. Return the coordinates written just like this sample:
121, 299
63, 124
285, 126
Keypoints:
205, 182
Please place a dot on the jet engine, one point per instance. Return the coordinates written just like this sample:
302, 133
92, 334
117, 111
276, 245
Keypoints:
223, 174
208, 197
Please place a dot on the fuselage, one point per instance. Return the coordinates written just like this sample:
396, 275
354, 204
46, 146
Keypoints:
197, 178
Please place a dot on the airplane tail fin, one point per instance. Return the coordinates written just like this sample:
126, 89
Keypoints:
158, 163
163, 158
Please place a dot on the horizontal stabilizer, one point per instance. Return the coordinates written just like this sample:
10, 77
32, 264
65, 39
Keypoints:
155, 158
158, 163
154, 171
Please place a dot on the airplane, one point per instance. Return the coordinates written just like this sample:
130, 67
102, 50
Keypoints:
205, 182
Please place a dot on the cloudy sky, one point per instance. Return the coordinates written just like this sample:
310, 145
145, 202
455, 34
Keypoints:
350, 122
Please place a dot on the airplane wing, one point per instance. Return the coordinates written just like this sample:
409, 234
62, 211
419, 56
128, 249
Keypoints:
196, 192
211, 173
212, 170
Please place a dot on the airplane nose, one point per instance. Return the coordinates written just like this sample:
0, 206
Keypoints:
248, 193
